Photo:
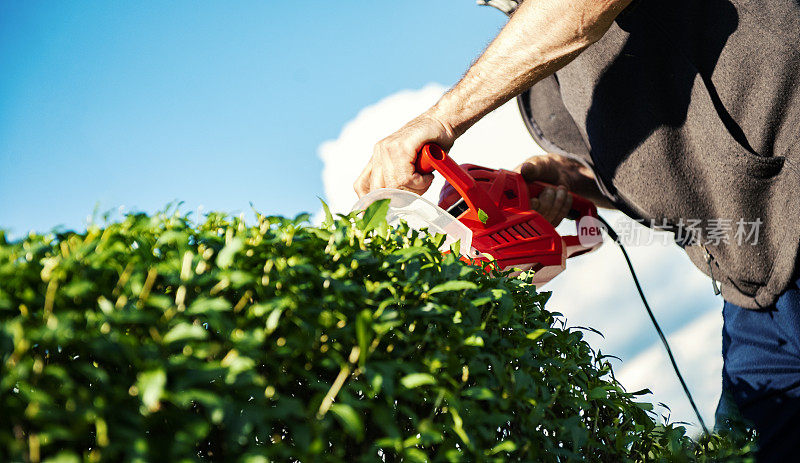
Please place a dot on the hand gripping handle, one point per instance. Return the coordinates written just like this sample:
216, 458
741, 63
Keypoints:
581, 207
433, 157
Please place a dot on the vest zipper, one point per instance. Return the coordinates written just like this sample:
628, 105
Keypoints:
714, 284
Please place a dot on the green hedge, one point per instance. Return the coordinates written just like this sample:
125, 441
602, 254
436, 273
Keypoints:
157, 339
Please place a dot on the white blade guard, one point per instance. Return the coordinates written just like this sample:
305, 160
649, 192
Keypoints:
419, 214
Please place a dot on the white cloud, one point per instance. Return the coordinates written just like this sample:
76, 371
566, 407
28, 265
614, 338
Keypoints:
596, 290
697, 351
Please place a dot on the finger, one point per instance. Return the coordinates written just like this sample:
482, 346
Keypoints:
361, 184
396, 173
399, 167
529, 171
542, 168
420, 183
535, 204
563, 203
558, 205
376, 180
546, 206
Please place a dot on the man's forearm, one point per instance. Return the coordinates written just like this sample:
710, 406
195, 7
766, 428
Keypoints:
540, 38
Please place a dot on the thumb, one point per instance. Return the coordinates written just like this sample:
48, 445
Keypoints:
539, 170
420, 183
529, 171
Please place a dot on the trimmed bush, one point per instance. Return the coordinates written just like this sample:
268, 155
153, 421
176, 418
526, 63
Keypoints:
156, 339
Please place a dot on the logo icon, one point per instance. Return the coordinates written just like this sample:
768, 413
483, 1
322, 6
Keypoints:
590, 231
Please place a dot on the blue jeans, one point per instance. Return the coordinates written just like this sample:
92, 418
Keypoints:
761, 373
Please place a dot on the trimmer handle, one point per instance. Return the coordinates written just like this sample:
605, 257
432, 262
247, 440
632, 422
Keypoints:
581, 207
432, 157
428, 158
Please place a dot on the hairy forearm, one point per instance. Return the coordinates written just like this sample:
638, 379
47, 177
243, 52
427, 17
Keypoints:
540, 38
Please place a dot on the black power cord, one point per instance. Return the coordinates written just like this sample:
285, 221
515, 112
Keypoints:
613, 235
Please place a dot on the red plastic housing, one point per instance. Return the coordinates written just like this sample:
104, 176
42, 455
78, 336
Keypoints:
511, 232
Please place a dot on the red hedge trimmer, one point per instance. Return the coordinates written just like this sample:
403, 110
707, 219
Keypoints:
488, 213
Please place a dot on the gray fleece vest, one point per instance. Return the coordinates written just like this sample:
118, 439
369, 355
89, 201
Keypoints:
689, 110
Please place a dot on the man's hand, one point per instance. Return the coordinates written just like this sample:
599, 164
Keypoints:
566, 174
552, 203
393, 159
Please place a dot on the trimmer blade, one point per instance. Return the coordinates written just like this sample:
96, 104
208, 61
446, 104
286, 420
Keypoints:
419, 213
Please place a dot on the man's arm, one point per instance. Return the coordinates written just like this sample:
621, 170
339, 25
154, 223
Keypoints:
541, 37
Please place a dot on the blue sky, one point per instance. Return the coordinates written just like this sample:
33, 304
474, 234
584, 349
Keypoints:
213, 103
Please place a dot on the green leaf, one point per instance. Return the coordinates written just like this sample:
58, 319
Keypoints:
63, 456
185, 332
406, 254
598, 392
205, 305
272, 320
474, 341
350, 420
458, 427
505, 446
536, 334
105, 305
255, 459
479, 393
374, 215
438, 239
328, 216
78, 288
483, 216
226, 255
415, 455
415, 380
151, 387
455, 285
363, 333
455, 248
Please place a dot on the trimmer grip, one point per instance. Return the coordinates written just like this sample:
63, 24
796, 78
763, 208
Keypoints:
581, 207
433, 158
427, 158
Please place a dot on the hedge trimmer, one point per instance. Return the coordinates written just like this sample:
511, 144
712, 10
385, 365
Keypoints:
487, 213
